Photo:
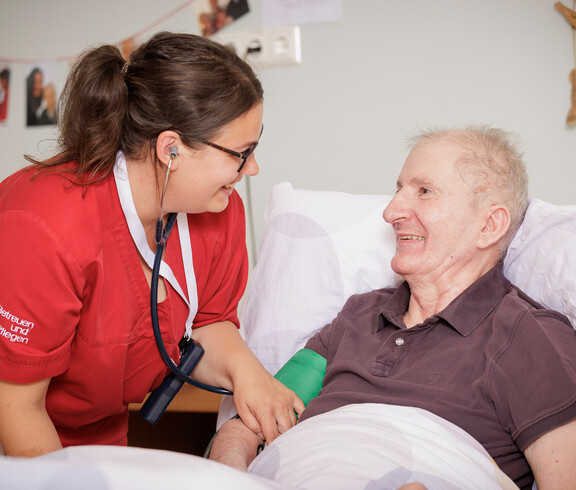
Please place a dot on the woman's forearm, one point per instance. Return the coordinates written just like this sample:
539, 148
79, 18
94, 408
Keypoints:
25, 427
226, 355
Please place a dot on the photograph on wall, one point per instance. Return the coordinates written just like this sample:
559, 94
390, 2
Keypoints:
41, 94
4, 92
214, 15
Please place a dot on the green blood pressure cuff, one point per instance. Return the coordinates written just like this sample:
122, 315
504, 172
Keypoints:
303, 374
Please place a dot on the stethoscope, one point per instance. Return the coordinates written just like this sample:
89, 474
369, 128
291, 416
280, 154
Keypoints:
162, 233
163, 237
190, 350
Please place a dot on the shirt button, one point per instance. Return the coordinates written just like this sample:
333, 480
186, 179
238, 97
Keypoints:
399, 341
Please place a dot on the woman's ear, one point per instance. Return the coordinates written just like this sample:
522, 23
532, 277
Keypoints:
495, 227
168, 145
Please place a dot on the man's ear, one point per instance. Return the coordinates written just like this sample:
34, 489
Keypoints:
497, 222
168, 143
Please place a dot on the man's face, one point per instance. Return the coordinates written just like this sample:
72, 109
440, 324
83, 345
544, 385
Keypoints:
435, 222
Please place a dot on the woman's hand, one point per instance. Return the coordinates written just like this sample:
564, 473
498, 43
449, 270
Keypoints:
264, 404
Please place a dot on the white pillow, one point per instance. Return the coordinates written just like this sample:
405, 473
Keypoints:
320, 247
541, 259
317, 249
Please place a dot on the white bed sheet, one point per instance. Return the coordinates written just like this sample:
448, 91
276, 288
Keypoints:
370, 446
124, 468
375, 446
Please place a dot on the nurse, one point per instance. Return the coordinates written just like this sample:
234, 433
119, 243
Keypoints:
78, 243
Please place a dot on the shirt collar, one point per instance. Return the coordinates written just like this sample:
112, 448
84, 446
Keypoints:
395, 306
466, 312
475, 303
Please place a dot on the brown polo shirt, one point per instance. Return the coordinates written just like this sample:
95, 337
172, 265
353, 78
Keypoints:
494, 362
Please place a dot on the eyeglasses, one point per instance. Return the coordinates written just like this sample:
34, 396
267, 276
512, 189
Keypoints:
244, 156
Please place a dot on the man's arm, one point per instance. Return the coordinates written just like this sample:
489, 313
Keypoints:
235, 445
552, 458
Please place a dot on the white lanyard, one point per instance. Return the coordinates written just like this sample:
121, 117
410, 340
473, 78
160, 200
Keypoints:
139, 236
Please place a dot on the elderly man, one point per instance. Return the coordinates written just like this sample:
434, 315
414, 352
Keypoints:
456, 338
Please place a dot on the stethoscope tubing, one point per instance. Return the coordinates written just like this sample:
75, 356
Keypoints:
154, 314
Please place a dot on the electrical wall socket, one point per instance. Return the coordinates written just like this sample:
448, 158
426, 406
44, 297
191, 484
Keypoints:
276, 46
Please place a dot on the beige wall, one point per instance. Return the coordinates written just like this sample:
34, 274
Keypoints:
339, 121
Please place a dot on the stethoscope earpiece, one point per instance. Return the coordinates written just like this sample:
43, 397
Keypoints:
160, 221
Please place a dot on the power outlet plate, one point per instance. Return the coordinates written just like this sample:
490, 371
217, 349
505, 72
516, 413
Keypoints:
278, 46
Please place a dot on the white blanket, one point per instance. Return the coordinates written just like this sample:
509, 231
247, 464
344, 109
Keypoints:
375, 446
124, 468
359, 446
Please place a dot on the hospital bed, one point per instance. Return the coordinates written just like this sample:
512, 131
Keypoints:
317, 249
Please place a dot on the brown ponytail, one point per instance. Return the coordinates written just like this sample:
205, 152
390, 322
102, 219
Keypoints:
179, 82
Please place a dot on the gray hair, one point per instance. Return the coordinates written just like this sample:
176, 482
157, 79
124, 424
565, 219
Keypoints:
492, 165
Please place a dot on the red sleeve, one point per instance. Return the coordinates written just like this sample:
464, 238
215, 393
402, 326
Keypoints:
39, 299
220, 262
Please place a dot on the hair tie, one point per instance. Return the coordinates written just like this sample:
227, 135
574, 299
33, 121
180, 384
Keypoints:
125, 67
